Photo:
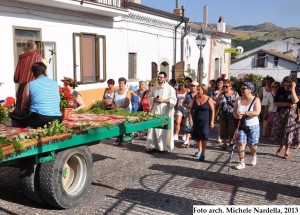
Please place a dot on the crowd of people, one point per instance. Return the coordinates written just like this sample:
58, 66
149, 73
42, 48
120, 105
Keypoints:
239, 111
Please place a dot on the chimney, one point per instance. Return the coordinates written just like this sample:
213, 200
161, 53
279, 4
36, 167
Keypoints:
177, 11
177, 3
205, 15
221, 25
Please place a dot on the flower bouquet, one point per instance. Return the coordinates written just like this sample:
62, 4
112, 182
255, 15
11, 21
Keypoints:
6, 108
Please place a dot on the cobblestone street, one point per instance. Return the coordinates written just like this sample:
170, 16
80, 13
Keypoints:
129, 181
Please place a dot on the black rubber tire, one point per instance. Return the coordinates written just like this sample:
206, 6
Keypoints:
29, 180
73, 166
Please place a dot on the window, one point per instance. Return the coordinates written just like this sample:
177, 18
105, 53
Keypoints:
89, 58
23, 34
132, 66
293, 74
262, 60
276, 59
217, 67
47, 48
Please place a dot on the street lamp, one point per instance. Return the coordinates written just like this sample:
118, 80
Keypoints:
298, 63
200, 42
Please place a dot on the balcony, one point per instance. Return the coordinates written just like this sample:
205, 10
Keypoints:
110, 8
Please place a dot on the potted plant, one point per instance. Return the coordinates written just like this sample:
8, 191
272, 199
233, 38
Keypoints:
66, 102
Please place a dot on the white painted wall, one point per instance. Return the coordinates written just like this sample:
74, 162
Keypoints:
150, 42
283, 69
194, 56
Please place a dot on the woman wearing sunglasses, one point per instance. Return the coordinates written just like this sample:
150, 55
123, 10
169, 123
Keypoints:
285, 131
247, 109
224, 105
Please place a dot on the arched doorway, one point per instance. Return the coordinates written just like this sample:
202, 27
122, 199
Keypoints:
164, 67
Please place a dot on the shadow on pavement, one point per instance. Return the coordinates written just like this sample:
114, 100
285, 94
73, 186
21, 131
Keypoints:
148, 198
229, 183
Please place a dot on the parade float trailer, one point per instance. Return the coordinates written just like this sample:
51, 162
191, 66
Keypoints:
56, 165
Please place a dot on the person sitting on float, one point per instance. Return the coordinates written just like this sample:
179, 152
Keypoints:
77, 101
40, 104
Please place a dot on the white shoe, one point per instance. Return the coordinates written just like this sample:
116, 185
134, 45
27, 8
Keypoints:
186, 144
240, 166
175, 137
183, 137
253, 161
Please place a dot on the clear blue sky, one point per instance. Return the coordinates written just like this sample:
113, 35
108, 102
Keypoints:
283, 13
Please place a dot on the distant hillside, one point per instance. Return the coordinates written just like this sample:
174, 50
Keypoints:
253, 36
265, 31
264, 27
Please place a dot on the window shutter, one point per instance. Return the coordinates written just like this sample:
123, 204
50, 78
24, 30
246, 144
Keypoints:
254, 62
88, 58
132, 66
266, 61
154, 70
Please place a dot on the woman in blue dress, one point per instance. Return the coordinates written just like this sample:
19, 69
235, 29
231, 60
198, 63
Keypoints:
135, 98
202, 114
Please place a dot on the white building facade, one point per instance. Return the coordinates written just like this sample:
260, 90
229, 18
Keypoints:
266, 62
98, 40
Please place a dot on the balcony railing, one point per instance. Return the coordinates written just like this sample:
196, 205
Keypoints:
112, 3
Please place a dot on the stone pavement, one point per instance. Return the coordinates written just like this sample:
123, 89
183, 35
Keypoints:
129, 181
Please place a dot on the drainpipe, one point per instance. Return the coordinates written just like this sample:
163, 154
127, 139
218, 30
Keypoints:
182, 40
175, 47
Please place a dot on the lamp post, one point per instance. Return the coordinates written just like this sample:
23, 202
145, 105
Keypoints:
200, 42
298, 63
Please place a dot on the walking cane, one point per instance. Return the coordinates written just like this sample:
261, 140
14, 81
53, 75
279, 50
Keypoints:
235, 136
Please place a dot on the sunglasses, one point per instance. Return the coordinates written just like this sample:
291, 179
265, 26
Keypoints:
225, 86
244, 88
150, 85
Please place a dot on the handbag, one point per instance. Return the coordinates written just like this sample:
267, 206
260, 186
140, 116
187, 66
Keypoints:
243, 119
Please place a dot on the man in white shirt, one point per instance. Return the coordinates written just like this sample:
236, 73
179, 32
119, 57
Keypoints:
162, 101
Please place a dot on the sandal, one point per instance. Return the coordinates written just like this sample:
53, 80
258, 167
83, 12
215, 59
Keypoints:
279, 151
286, 155
219, 141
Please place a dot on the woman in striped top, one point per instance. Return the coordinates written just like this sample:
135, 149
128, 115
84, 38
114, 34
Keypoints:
40, 104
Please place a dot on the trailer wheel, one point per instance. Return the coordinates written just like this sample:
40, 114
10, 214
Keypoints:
65, 180
29, 180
